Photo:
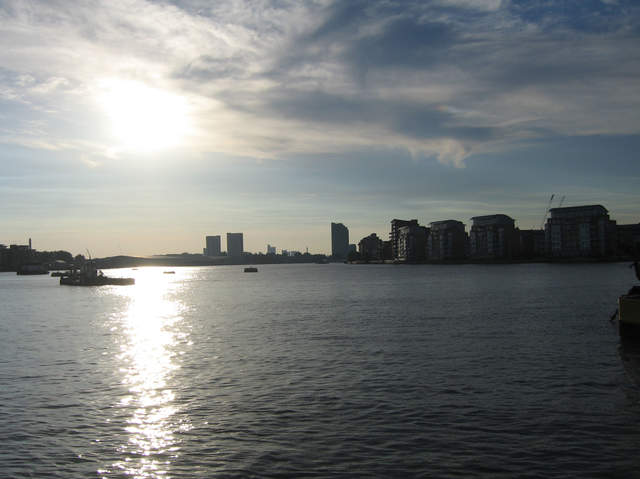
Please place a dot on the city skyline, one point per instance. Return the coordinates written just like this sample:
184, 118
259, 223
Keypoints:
139, 127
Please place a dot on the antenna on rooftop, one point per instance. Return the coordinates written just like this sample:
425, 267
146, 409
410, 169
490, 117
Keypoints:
546, 211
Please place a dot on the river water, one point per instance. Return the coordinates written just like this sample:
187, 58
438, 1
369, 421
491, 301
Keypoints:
320, 371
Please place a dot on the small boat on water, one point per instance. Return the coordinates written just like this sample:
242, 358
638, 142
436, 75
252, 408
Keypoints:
629, 309
251, 269
89, 275
168, 272
629, 313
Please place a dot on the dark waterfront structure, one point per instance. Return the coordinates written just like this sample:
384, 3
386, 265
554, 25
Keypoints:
629, 240
213, 246
447, 241
371, 248
394, 236
235, 245
532, 244
339, 241
493, 237
580, 231
12, 257
412, 243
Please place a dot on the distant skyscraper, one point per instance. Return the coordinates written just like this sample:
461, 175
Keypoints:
213, 245
235, 246
271, 249
339, 240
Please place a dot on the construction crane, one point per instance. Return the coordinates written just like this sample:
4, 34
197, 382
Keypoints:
561, 201
546, 211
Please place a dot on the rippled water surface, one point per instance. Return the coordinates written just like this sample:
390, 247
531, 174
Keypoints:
320, 371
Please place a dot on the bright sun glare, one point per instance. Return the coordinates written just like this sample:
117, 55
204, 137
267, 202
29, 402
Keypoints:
143, 118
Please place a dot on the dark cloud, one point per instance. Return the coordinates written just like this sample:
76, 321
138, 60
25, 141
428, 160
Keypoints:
405, 43
409, 119
592, 16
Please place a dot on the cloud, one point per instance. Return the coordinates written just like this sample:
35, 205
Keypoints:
446, 79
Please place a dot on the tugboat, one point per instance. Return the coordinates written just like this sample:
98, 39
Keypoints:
629, 309
89, 275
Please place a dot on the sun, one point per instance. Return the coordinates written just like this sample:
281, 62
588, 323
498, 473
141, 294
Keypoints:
144, 118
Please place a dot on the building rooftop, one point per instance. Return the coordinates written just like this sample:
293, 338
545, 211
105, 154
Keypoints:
446, 224
492, 219
575, 211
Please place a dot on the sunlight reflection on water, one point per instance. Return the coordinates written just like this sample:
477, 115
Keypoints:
149, 338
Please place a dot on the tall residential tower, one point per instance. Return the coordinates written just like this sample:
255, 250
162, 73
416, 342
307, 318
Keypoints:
339, 240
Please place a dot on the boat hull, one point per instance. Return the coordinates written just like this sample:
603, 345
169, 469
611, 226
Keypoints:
99, 281
629, 315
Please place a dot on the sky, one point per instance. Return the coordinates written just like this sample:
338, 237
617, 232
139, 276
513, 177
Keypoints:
138, 127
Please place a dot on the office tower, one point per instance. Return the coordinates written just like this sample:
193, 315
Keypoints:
339, 240
235, 246
213, 245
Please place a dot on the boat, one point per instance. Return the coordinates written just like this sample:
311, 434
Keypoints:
30, 269
89, 275
629, 309
169, 272
629, 313
251, 269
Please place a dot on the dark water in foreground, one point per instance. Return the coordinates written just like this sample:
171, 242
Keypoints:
319, 371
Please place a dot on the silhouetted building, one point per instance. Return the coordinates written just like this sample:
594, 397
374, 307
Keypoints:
271, 249
532, 244
339, 240
580, 231
394, 235
629, 240
447, 240
493, 237
412, 243
235, 245
14, 256
370, 247
387, 250
212, 246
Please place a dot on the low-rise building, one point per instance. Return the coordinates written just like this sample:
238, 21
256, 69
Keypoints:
580, 231
447, 240
532, 244
629, 240
370, 248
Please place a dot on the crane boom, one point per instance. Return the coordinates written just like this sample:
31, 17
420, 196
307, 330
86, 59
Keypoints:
546, 211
